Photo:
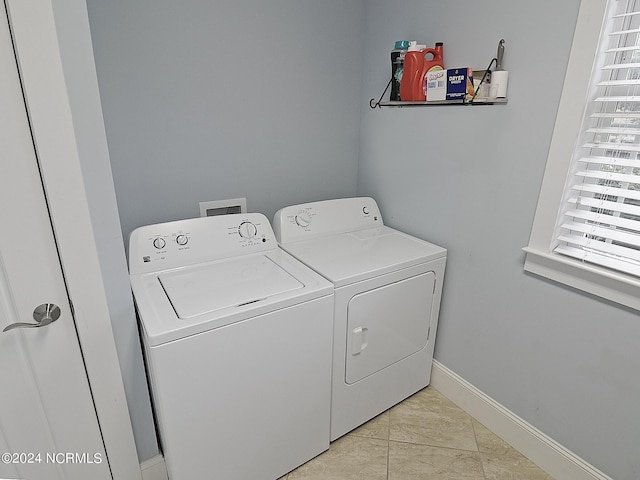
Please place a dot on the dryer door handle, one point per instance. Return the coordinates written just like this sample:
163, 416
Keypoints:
358, 340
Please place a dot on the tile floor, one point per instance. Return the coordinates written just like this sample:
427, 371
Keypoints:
425, 437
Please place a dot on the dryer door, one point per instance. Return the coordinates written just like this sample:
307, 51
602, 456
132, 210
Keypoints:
387, 324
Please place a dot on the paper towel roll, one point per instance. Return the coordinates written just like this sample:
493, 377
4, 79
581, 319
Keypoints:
500, 78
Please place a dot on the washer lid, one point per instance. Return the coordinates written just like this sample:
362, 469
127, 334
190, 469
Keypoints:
221, 293
351, 257
230, 283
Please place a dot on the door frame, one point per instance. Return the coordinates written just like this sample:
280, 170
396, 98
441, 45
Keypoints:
48, 78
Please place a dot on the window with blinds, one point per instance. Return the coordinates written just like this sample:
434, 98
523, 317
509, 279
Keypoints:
600, 220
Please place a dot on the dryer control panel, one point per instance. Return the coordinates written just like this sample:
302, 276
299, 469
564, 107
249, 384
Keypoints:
197, 240
329, 217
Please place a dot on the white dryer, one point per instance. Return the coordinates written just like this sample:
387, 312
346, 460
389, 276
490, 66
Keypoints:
237, 337
387, 299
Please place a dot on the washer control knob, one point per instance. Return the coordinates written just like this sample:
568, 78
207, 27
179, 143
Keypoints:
303, 219
247, 230
182, 239
365, 210
159, 243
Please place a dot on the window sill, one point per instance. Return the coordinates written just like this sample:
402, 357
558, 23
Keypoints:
613, 286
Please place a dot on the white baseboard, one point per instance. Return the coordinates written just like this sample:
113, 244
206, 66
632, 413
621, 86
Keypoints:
154, 469
545, 452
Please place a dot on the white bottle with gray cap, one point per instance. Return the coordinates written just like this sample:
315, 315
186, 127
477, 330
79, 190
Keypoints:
500, 77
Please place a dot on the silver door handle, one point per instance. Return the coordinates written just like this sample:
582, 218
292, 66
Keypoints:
43, 315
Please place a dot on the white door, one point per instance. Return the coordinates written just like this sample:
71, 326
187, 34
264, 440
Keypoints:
48, 424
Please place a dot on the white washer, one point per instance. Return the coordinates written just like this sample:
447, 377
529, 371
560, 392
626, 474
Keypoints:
387, 298
237, 337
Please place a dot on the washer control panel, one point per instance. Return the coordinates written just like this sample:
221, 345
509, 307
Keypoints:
197, 240
247, 230
329, 217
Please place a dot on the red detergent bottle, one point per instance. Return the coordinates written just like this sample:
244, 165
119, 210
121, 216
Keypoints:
416, 66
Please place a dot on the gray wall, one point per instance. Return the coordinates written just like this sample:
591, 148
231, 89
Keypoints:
213, 100
468, 178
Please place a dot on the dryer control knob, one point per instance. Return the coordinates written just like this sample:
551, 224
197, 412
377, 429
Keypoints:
159, 242
303, 219
247, 230
182, 239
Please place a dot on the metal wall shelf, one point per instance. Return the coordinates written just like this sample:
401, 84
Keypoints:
477, 101
473, 101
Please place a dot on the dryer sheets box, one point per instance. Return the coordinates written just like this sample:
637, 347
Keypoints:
451, 84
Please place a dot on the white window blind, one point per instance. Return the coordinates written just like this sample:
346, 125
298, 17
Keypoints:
599, 221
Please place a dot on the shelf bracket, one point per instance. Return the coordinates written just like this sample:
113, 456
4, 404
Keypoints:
486, 72
373, 103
